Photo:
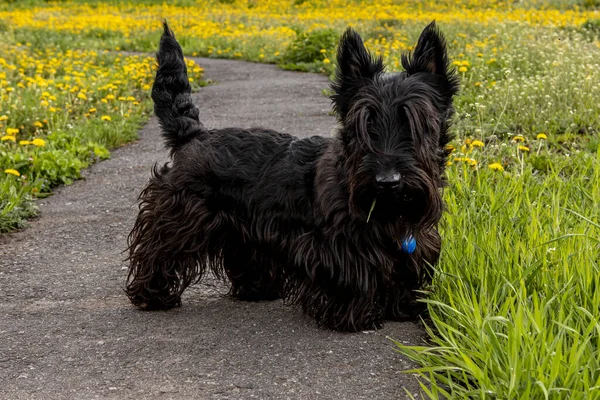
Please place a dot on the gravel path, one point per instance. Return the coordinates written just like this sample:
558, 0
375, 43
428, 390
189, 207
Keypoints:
67, 331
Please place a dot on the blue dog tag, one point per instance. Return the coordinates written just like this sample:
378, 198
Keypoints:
409, 245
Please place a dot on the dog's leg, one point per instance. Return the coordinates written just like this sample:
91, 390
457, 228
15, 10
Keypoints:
335, 284
167, 246
253, 277
411, 274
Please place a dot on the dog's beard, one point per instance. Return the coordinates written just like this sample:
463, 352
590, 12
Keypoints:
417, 203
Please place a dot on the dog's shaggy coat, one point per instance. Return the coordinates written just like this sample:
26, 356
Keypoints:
317, 221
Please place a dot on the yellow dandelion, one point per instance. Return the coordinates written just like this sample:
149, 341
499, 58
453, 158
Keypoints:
12, 131
524, 148
92, 110
110, 97
24, 142
121, 98
105, 118
81, 96
44, 103
38, 124
450, 148
448, 163
323, 51
146, 87
496, 166
477, 143
7, 138
104, 100
130, 98
11, 171
518, 139
52, 109
541, 136
462, 69
471, 162
3, 118
38, 142
326, 61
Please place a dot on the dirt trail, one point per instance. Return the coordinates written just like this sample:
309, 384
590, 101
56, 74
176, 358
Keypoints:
67, 330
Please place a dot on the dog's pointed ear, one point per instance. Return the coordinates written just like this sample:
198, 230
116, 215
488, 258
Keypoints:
430, 54
355, 67
353, 59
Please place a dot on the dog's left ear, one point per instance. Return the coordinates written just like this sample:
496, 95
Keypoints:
355, 67
429, 55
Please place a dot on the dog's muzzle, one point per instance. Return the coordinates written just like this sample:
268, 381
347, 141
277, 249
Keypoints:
388, 180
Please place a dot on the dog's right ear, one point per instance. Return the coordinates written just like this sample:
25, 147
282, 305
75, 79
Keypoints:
355, 68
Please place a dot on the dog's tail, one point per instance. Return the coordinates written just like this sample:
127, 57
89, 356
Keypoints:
171, 93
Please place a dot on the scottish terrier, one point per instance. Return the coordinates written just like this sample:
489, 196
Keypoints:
345, 227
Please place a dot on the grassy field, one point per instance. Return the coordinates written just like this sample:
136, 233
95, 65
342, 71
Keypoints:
515, 303
60, 110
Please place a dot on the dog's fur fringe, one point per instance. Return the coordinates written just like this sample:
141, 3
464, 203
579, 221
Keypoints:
317, 221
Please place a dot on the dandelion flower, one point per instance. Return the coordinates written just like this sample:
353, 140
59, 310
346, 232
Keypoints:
518, 139
24, 142
462, 69
496, 166
110, 97
92, 110
524, 148
477, 143
81, 96
121, 98
326, 61
3, 118
7, 138
12, 131
541, 136
38, 124
38, 142
105, 118
12, 172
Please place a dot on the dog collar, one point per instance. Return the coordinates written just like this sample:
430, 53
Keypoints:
409, 244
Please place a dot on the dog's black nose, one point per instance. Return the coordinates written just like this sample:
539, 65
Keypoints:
388, 180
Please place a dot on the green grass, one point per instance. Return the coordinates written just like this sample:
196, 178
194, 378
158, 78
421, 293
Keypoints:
515, 306
61, 111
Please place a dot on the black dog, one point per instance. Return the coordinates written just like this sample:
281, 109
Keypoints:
346, 227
